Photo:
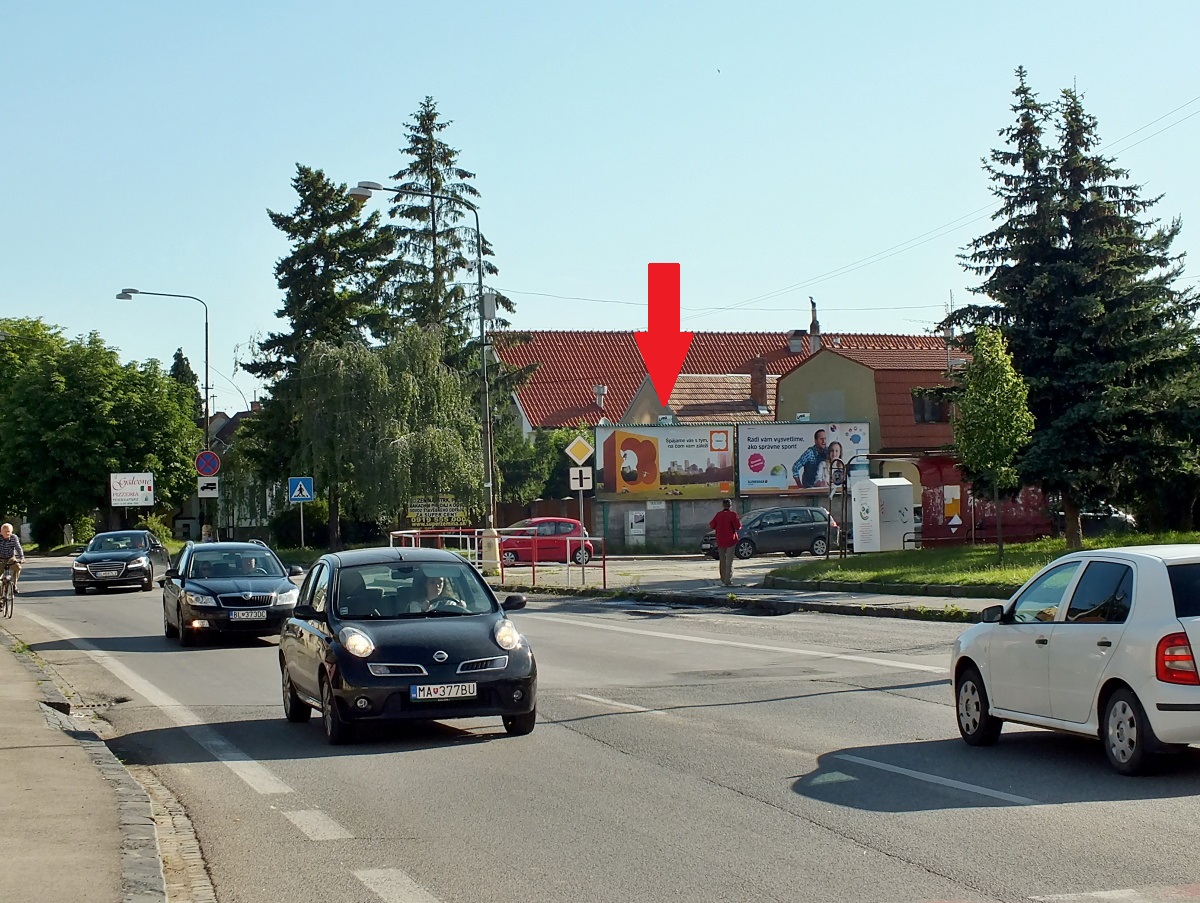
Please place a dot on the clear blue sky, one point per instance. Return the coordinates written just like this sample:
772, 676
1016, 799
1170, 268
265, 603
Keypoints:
770, 149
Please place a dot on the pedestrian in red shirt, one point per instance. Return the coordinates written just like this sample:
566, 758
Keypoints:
726, 523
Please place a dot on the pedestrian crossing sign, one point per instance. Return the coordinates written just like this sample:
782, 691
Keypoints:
300, 489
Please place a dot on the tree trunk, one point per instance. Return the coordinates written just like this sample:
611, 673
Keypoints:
1071, 528
999, 525
335, 532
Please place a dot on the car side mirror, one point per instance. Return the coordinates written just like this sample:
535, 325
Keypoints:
513, 602
172, 574
307, 613
295, 571
992, 614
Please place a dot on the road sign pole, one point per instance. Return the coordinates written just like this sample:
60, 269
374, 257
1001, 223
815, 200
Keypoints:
302, 525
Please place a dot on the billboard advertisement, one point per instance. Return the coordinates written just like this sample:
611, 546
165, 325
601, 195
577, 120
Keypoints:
795, 458
131, 489
664, 462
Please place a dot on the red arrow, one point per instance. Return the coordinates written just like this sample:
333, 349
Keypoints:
663, 346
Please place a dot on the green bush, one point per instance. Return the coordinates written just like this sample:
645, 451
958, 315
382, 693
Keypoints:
83, 528
154, 524
285, 526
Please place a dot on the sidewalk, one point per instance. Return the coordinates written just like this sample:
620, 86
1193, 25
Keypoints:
66, 817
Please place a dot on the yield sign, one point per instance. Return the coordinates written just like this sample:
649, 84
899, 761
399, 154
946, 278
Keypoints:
208, 463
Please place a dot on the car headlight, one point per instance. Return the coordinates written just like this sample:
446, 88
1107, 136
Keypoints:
356, 642
199, 600
288, 597
79, 566
139, 564
506, 635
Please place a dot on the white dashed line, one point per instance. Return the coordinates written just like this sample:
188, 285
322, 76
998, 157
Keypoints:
260, 779
316, 825
709, 641
395, 886
937, 779
619, 705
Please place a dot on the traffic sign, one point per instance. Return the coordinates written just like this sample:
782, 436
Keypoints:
581, 478
579, 450
206, 488
300, 489
208, 463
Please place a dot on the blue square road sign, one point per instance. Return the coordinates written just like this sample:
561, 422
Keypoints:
300, 489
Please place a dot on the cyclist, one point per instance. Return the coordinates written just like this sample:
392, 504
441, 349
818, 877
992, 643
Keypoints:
11, 554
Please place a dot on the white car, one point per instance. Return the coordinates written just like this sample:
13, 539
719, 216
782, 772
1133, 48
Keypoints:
1097, 643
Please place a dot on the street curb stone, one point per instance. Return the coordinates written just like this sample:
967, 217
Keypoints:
884, 589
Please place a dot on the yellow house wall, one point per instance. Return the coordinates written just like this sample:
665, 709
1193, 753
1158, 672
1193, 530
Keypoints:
645, 407
831, 389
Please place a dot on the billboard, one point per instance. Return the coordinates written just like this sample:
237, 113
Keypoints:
664, 462
795, 458
130, 490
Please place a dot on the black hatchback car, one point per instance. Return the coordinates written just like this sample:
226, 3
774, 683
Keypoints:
788, 530
119, 558
230, 587
394, 634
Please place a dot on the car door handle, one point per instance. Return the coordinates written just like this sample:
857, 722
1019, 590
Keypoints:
1042, 641
1103, 642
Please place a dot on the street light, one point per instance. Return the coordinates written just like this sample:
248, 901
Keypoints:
126, 294
363, 192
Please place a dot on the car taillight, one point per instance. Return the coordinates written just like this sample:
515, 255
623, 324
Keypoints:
1174, 662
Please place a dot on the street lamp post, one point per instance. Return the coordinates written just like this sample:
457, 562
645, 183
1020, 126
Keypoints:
126, 294
363, 191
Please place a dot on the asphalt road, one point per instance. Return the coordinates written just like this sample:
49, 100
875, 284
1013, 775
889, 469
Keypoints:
682, 754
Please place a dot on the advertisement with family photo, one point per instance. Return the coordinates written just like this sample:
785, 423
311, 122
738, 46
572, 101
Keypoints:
795, 458
669, 462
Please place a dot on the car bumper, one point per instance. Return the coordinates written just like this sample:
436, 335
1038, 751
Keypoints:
1174, 713
223, 620
85, 580
361, 696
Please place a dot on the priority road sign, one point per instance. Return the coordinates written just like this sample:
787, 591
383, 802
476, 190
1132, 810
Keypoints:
300, 489
208, 462
579, 450
581, 478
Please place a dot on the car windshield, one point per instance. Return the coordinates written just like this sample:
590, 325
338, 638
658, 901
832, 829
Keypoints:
117, 542
396, 591
218, 563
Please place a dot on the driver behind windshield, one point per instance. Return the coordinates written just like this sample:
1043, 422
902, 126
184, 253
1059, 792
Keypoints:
431, 593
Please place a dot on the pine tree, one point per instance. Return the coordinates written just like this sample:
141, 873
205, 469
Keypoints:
1082, 286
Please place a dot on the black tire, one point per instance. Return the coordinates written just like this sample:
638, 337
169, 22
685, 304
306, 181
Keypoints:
520, 725
295, 709
744, 549
187, 636
148, 583
80, 590
169, 630
337, 731
820, 547
1128, 738
978, 726
510, 558
581, 556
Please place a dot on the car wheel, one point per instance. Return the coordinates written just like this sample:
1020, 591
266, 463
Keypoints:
337, 731
510, 558
187, 636
744, 549
978, 726
1128, 739
295, 709
148, 583
581, 556
169, 630
80, 590
820, 546
520, 725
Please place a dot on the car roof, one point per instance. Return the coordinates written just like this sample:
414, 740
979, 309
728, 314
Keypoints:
387, 554
232, 546
1177, 553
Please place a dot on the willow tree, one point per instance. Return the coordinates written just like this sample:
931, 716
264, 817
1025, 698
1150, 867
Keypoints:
380, 426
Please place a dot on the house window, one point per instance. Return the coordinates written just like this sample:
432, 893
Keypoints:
928, 409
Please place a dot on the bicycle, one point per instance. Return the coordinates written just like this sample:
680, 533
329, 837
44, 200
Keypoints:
6, 594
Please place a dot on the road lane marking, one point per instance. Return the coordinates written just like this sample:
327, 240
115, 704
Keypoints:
937, 779
395, 886
316, 825
840, 656
260, 779
619, 705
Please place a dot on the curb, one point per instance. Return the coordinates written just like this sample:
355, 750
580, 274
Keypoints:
141, 868
962, 591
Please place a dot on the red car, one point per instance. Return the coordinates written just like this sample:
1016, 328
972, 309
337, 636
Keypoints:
545, 539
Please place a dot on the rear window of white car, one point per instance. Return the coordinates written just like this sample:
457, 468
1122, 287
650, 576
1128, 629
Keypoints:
1185, 587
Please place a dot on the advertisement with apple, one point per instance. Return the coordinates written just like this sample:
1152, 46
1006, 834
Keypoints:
667, 462
795, 458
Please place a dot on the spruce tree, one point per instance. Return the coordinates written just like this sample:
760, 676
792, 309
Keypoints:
182, 372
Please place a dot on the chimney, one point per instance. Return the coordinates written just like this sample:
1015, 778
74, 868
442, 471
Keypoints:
814, 329
758, 382
796, 341
255, 406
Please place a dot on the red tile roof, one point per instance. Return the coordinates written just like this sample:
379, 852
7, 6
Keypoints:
719, 399
569, 363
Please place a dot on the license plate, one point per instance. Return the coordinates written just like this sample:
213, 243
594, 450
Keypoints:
706, 546
441, 691
249, 615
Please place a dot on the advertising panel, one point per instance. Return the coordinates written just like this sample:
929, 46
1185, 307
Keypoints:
795, 458
427, 512
652, 462
131, 490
